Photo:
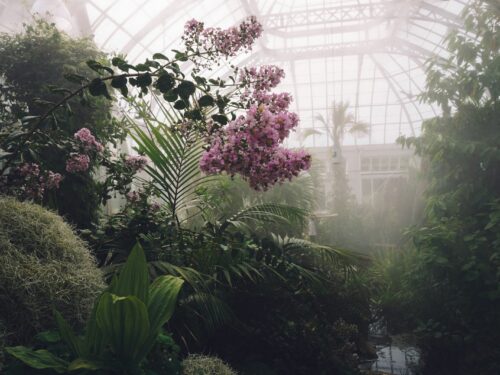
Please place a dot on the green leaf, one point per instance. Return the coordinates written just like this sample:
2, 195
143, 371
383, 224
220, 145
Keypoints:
186, 89
49, 337
39, 359
75, 78
221, 119
124, 91
180, 104
94, 340
86, 364
165, 83
124, 320
74, 343
195, 114
133, 279
144, 80
142, 68
163, 298
98, 67
160, 56
164, 292
119, 82
29, 118
176, 159
171, 96
206, 101
181, 56
97, 87
117, 61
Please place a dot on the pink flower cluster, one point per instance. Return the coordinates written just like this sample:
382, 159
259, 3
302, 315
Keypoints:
85, 137
33, 183
220, 42
133, 196
250, 146
263, 78
77, 163
53, 180
29, 170
136, 163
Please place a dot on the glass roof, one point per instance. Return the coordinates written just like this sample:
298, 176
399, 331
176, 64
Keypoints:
369, 53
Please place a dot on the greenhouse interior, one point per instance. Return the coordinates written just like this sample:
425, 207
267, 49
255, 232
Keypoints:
287, 187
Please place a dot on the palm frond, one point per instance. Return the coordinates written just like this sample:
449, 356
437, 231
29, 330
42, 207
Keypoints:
212, 310
267, 212
175, 158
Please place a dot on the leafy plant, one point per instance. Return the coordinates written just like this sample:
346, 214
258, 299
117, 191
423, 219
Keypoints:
174, 172
122, 329
451, 294
34, 66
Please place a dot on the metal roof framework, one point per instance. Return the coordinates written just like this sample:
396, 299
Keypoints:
371, 53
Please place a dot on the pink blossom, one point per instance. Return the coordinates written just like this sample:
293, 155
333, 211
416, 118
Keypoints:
33, 183
250, 146
133, 196
263, 78
29, 169
85, 137
154, 207
222, 42
77, 163
53, 180
136, 163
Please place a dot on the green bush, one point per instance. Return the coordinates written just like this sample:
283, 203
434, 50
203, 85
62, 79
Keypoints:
197, 364
33, 63
124, 326
43, 265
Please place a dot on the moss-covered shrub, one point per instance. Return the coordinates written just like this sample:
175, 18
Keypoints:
43, 265
197, 364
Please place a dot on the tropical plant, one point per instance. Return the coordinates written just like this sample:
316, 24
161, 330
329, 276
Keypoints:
340, 123
453, 284
123, 328
43, 265
174, 171
33, 67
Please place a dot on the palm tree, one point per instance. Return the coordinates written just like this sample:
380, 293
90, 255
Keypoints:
339, 124
336, 126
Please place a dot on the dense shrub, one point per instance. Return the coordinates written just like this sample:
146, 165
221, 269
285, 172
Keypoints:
197, 364
295, 327
449, 289
34, 66
43, 265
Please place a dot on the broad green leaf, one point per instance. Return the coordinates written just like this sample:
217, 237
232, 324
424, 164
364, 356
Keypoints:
39, 359
86, 364
94, 339
124, 320
74, 343
49, 337
133, 279
163, 294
